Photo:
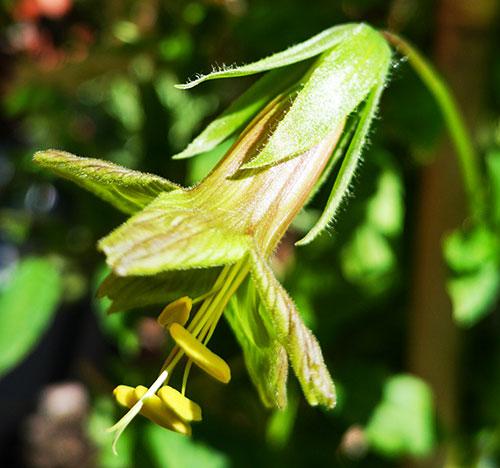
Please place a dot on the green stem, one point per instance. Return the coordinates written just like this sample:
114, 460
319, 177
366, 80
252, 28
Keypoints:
469, 160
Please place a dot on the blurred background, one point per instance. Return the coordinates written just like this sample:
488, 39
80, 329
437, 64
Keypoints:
416, 386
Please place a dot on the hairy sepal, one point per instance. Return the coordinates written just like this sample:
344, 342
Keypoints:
343, 78
348, 166
302, 347
129, 191
242, 110
172, 233
297, 53
265, 357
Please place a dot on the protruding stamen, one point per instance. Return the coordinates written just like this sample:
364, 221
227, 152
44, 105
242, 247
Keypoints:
200, 354
176, 312
121, 425
178, 403
155, 410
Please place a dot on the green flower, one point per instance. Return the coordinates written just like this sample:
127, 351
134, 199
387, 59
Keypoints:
207, 248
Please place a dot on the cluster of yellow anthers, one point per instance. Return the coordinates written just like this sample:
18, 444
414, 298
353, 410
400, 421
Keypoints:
162, 404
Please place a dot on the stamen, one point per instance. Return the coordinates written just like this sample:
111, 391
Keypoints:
125, 395
182, 406
176, 312
186, 375
122, 424
155, 410
200, 354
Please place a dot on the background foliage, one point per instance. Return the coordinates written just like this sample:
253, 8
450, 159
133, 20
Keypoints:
96, 79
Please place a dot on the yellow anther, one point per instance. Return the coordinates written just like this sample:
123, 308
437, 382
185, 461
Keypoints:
125, 395
179, 404
156, 411
200, 354
176, 312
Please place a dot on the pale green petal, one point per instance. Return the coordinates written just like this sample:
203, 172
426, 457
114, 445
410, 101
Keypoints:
130, 292
302, 347
127, 190
342, 79
297, 53
171, 234
265, 357
347, 168
242, 110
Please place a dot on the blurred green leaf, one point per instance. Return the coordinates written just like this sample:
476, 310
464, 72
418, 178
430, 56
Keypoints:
368, 260
466, 251
171, 450
100, 419
187, 110
493, 166
403, 422
124, 103
474, 294
27, 304
281, 422
386, 208
474, 285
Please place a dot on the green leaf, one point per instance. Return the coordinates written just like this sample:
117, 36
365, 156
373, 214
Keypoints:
368, 259
473, 257
127, 190
130, 292
467, 251
302, 347
338, 83
402, 423
27, 305
172, 233
473, 295
280, 424
169, 449
347, 168
265, 358
493, 166
101, 417
242, 110
297, 53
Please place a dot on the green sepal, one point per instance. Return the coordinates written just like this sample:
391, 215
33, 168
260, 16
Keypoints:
242, 110
265, 357
127, 190
302, 347
131, 292
172, 233
297, 53
342, 79
348, 166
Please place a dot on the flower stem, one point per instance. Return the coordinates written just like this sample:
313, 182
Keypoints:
469, 160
